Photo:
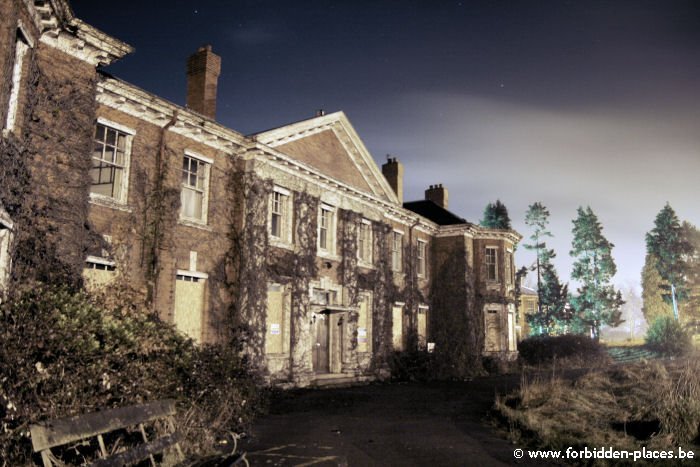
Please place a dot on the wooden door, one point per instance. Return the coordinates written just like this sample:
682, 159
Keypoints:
320, 343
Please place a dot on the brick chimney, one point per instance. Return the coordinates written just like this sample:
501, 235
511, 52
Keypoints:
437, 194
203, 68
393, 172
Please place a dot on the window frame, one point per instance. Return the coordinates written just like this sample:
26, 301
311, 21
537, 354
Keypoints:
23, 43
207, 164
326, 230
397, 251
364, 242
488, 264
125, 166
421, 258
285, 222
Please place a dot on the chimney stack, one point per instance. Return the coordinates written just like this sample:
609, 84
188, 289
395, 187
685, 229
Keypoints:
437, 194
203, 68
393, 172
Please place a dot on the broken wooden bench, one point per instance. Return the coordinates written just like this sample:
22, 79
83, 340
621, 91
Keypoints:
80, 428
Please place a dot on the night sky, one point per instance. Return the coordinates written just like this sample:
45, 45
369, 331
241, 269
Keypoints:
570, 103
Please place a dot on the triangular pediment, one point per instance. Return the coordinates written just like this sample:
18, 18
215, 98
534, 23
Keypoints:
330, 145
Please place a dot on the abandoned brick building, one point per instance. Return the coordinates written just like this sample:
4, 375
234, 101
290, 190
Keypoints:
296, 230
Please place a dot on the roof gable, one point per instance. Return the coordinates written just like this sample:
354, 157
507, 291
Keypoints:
330, 144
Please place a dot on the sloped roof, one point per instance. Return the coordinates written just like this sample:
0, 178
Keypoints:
330, 144
434, 212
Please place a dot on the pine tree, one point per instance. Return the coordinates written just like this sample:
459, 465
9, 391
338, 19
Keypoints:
653, 303
670, 248
496, 216
692, 272
597, 302
551, 294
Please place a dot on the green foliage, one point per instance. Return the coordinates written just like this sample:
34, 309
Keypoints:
597, 302
496, 216
552, 295
64, 355
654, 305
691, 310
666, 335
669, 246
543, 349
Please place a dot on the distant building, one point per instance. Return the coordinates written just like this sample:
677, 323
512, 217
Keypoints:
528, 307
293, 235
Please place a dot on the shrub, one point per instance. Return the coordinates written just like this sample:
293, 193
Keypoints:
63, 355
411, 365
666, 335
544, 349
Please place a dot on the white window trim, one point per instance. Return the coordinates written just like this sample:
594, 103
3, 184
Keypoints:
366, 262
287, 238
108, 200
491, 247
398, 268
197, 274
204, 220
425, 258
21, 50
332, 231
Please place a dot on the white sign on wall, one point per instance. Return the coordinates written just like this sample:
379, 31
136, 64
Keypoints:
275, 328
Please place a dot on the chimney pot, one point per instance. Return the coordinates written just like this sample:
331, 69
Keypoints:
437, 194
203, 69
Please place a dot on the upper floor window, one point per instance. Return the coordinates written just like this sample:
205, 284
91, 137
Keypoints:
364, 242
195, 184
280, 215
110, 159
326, 229
491, 262
22, 46
421, 258
396, 250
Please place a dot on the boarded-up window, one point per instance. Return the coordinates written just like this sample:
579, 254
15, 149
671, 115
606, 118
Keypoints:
277, 320
397, 326
364, 323
493, 331
189, 305
422, 325
98, 272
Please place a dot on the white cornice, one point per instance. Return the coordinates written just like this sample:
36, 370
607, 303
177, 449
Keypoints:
140, 104
294, 131
60, 29
311, 175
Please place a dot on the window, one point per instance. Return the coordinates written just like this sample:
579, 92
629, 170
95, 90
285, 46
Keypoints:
280, 215
110, 156
396, 257
195, 181
491, 270
364, 242
22, 45
326, 229
421, 258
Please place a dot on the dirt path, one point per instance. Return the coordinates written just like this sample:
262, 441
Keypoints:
436, 424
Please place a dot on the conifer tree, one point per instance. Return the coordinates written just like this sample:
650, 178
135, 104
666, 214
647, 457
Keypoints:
653, 303
496, 216
669, 246
597, 302
551, 294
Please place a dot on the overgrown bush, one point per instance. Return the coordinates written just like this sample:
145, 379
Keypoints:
650, 404
666, 335
63, 355
544, 349
412, 365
